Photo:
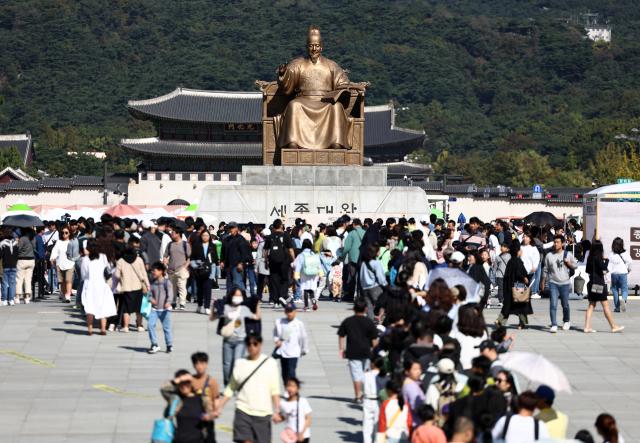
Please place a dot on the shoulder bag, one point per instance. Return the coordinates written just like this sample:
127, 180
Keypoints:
143, 283
244, 382
381, 437
597, 288
164, 428
227, 330
521, 293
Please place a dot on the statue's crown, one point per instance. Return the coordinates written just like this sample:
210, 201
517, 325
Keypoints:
312, 32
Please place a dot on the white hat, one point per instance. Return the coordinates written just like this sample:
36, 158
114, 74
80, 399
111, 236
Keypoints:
457, 257
266, 231
446, 366
148, 224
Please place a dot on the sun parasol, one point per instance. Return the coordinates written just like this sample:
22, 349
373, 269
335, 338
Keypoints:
537, 369
122, 210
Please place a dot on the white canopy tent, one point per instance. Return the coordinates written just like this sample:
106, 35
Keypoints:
613, 211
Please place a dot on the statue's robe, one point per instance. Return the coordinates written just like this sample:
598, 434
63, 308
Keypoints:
314, 119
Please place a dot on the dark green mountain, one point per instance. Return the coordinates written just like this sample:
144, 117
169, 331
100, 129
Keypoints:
508, 91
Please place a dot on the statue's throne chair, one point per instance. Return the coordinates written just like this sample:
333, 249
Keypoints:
274, 102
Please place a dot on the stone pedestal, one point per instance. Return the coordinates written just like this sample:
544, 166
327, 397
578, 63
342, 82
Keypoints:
338, 157
314, 193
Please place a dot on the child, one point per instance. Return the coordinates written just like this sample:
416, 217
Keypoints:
374, 382
395, 416
326, 260
307, 272
162, 297
335, 280
296, 411
428, 432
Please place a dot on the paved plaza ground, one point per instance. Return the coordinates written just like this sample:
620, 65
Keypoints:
59, 385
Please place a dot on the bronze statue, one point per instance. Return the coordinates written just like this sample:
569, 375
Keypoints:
316, 117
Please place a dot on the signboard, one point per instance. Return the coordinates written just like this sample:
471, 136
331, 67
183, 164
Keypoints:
623, 180
634, 251
537, 192
635, 235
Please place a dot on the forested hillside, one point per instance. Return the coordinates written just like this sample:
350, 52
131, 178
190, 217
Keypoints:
507, 91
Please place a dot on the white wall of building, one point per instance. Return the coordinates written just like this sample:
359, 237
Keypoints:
160, 192
88, 197
488, 209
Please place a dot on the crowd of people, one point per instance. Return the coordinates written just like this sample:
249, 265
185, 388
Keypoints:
424, 364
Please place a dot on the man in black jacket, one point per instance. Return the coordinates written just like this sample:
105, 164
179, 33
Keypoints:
235, 253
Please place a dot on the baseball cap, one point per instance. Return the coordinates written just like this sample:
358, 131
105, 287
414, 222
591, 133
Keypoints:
546, 393
457, 257
486, 344
148, 224
446, 366
266, 231
232, 224
289, 307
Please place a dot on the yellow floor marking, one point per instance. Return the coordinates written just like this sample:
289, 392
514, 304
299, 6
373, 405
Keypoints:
224, 428
27, 358
118, 391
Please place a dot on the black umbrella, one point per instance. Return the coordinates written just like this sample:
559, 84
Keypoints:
22, 221
542, 218
178, 202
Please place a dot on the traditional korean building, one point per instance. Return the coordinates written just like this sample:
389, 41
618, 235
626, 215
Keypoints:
209, 135
23, 144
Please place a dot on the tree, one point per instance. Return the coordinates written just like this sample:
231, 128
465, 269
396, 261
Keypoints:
10, 157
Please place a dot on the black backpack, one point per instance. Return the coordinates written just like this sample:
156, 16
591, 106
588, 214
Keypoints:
277, 250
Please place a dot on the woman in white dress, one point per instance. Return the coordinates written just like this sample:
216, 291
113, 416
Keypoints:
97, 297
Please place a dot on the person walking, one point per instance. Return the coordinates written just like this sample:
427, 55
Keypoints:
233, 330
619, 267
176, 257
307, 271
412, 392
162, 297
190, 411
597, 291
501, 266
133, 283
262, 268
395, 424
557, 422
372, 279
256, 384
236, 253
523, 426
203, 260
279, 254
26, 264
351, 258
97, 297
515, 274
290, 338
9, 259
558, 265
296, 412
63, 264
151, 243
357, 336
375, 379
205, 386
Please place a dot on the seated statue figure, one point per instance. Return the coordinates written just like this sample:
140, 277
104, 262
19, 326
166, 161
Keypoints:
315, 118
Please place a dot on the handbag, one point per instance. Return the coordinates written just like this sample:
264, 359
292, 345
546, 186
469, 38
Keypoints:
521, 293
164, 429
143, 283
227, 330
145, 306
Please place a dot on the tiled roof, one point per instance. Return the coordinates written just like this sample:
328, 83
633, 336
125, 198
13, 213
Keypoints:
22, 142
406, 168
194, 149
380, 128
51, 183
202, 106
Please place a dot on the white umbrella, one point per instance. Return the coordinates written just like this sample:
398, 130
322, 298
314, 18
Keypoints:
453, 277
537, 369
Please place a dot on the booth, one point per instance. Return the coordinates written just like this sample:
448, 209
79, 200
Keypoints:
614, 211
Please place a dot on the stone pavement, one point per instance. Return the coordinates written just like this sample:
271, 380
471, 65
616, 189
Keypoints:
59, 385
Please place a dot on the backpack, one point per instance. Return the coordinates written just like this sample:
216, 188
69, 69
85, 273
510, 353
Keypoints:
311, 264
572, 271
277, 251
447, 396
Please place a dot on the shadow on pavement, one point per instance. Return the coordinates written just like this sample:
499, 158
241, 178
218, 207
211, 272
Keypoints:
134, 348
350, 436
350, 421
71, 331
322, 397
